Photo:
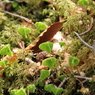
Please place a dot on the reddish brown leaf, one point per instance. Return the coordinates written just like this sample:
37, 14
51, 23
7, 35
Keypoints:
45, 36
11, 59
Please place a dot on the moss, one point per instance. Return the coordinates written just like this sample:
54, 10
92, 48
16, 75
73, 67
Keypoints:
1, 85
65, 7
3, 18
16, 76
71, 85
9, 35
72, 23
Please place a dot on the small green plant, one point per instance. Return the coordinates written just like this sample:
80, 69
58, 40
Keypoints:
61, 77
83, 2
51, 88
6, 50
15, 5
73, 61
62, 44
31, 87
44, 74
24, 31
46, 46
20, 91
50, 62
4, 62
40, 83
40, 26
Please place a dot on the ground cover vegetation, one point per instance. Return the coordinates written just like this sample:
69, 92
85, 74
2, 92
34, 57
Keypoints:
47, 47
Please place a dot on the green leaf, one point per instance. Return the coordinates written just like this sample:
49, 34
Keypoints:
49, 87
53, 89
57, 91
50, 62
13, 92
15, 5
6, 50
40, 26
44, 74
46, 46
40, 83
20, 92
4, 62
31, 88
24, 31
62, 43
73, 61
61, 77
83, 2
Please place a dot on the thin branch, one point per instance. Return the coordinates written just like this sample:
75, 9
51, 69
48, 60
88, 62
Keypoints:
91, 24
28, 60
80, 77
83, 41
76, 76
64, 80
26, 19
93, 46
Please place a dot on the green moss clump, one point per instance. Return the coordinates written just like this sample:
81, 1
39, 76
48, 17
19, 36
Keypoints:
3, 18
15, 76
9, 35
1, 86
71, 84
65, 7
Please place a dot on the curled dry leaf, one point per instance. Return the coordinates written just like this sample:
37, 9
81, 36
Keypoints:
10, 59
45, 36
35, 69
42, 55
66, 61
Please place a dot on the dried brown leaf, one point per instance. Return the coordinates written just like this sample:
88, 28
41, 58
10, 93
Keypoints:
45, 36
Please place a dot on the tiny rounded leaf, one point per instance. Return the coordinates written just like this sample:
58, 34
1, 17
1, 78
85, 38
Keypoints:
62, 43
46, 46
82, 2
31, 87
44, 74
73, 61
50, 62
21, 91
24, 31
40, 26
6, 50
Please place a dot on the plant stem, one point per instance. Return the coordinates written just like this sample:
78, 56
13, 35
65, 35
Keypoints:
83, 41
80, 77
64, 80
26, 19
91, 24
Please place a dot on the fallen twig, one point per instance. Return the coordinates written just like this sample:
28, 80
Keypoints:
64, 80
91, 24
89, 46
83, 40
80, 77
26, 19
76, 76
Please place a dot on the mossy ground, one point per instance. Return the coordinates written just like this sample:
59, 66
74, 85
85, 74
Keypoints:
17, 74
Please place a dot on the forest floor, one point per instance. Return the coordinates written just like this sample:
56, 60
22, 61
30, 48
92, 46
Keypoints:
47, 47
